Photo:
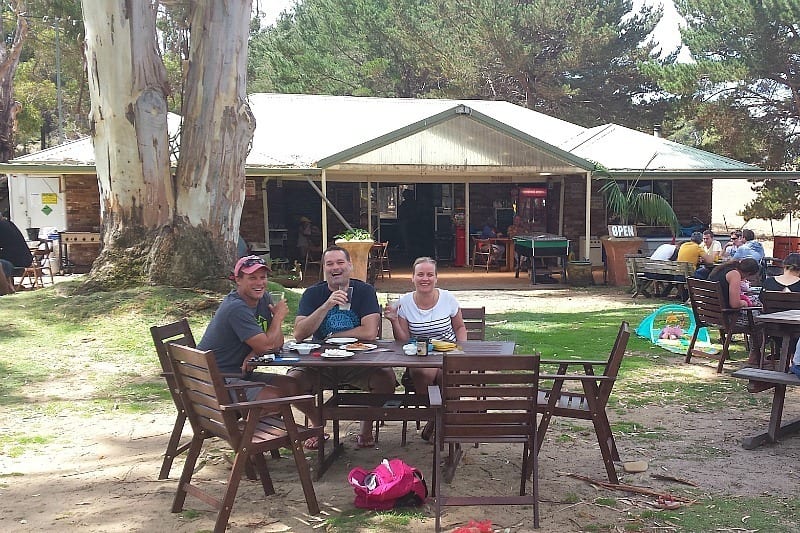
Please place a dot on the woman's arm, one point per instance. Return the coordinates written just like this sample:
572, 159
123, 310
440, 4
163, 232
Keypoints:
400, 329
459, 328
734, 289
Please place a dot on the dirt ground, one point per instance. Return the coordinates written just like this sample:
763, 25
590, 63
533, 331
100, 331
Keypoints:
100, 475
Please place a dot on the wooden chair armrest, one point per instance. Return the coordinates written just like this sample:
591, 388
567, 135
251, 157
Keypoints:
288, 400
434, 396
571, 362
575, 377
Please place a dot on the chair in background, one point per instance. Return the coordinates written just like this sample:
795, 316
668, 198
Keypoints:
313, 257
491, 405
475, 321
34, 274
591, 402
708, 305
180, 333
380, 251
250, 428
483, 254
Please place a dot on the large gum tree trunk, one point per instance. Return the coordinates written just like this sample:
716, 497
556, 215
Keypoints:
9, 60
217, 130
127, 81
177, 230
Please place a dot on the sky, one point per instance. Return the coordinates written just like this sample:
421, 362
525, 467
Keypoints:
666, 33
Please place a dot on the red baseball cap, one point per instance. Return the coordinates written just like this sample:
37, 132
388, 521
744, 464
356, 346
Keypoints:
249, 264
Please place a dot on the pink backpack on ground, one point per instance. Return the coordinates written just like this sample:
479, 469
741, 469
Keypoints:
391, 484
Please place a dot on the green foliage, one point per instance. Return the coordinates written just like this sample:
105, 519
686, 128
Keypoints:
633, 205
576, 59
747, 55
355, 234
775, 199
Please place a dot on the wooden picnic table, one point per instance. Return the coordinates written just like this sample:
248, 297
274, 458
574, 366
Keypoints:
784, 324
361, 405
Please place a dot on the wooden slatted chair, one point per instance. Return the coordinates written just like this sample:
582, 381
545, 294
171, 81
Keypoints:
591, 402
491, 399
708, 306
34, 274
180, 333
483, 254
250, 428
475, 321
381, 252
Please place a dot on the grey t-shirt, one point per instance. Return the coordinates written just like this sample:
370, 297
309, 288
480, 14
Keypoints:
233, 323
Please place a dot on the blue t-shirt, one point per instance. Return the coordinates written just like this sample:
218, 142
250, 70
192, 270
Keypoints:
233, 323
364, 302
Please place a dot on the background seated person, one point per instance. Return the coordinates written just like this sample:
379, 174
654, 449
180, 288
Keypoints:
519, 227
694, 253
320, 314
248, 324
751, 248
710, 246
732, 245
730, 276
14, 251
665, 252
490, 232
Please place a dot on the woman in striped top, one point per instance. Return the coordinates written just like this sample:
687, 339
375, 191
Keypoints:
427, 312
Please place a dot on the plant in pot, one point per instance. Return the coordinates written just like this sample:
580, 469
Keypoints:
358, 243
630, 207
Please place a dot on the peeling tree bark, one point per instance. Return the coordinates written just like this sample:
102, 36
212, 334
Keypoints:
158, 228
9, 60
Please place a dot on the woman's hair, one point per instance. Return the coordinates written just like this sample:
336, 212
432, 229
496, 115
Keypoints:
425, 259
747, 266
792, 262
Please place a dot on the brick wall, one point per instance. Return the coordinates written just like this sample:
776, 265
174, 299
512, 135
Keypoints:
82, 197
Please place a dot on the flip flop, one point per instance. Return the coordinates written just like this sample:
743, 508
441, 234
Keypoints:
312, 443
362, 442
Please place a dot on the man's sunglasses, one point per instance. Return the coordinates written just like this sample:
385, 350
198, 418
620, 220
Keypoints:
253, 260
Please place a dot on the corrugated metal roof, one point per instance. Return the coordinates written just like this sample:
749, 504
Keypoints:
298, 132
305, 129
622, 149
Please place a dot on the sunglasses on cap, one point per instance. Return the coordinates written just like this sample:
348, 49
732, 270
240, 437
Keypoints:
251, 260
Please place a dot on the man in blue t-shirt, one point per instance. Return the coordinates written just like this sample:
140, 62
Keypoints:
321, 315
246, 325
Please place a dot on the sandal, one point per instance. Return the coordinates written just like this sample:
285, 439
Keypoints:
365, 442
312, 443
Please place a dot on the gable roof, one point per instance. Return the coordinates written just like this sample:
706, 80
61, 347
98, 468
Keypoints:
302, 134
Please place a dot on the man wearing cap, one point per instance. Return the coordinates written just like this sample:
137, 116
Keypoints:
321, 314
246, 325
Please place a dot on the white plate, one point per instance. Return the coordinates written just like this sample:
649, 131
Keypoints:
337, 354
359, 347
294, 345
341, 340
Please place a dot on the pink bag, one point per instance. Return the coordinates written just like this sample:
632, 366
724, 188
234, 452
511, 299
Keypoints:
391, 484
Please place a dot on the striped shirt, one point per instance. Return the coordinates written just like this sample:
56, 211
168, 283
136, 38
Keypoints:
432, 323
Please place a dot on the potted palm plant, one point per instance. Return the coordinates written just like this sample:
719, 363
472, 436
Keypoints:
630, 207
358, 243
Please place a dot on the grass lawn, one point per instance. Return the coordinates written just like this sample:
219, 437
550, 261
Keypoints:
102, 340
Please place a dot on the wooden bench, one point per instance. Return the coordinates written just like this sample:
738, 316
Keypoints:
778, 380
650, 273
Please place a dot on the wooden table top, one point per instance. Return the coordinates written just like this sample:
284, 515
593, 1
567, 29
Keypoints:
390, 354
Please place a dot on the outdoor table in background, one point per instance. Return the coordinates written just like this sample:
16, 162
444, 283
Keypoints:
349, 405
544, 245
784, 324
508, 245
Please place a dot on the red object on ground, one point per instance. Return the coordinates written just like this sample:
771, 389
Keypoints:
475, 527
